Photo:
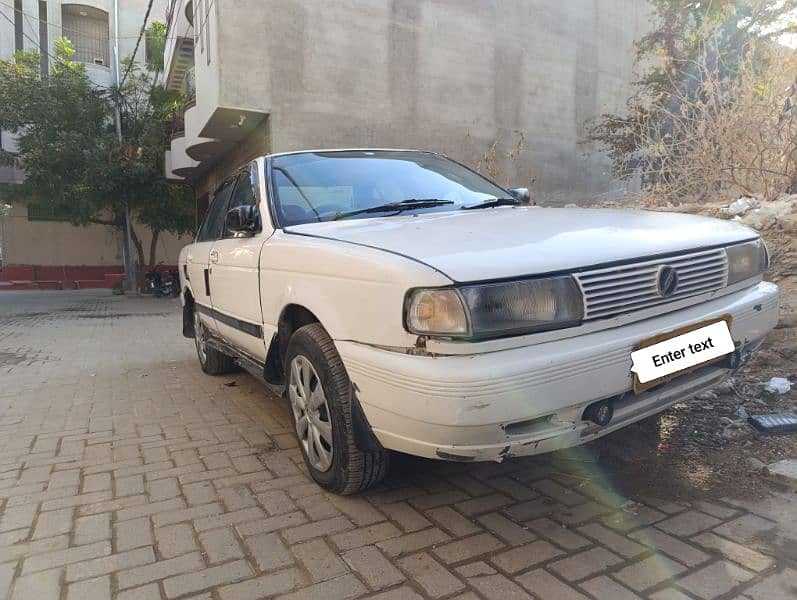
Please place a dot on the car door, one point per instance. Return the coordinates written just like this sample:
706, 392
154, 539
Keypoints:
198, 254
235, 275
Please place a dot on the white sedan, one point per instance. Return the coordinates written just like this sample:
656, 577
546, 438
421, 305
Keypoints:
406, 303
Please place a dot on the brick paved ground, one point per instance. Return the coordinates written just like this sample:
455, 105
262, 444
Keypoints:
127, 473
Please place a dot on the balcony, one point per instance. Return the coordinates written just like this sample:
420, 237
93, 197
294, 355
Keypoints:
179, 52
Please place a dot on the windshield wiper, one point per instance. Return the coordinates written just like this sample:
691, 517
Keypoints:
409, 204
493, 203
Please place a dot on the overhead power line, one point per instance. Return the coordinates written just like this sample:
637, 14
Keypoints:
138, 42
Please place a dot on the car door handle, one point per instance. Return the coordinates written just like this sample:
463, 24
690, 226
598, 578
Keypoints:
214, 256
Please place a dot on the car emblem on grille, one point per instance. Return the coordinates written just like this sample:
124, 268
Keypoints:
667, 281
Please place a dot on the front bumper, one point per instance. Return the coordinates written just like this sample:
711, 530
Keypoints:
530, 400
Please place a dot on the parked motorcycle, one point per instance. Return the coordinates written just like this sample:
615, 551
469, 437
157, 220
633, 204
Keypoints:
163, 283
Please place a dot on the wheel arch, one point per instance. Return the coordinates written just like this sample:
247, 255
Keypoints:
292, 317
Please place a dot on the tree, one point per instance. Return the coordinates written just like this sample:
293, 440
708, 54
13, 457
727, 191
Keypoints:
68, 146
699, 61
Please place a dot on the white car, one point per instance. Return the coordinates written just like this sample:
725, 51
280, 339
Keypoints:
406, 303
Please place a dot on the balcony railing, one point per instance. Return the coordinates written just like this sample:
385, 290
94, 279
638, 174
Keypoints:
178, 123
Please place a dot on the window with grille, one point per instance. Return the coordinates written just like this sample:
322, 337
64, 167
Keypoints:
48, 212
87, 28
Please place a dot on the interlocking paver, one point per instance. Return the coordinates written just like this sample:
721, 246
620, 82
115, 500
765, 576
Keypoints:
172, 485
715, 580
220, 545
264, 586
110, 564
498, 587
614, 541
41, 586
319, 559
377, 572
174, 540
547, 587
365, 536
778, 586
736, 552
160, 570
688, 523
317, 528
412, 542
54, 522
60, 558
209, 577
603, 587
679, 550
507, 530
560, 535
585, 563
452, 521
230, 518
93, 528
467, 548
90, 589
269, 551
341, 588
433, 577
649, 572
523, 557
134, 533
6, 577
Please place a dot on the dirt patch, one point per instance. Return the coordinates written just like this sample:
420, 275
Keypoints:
9, 359
703, 447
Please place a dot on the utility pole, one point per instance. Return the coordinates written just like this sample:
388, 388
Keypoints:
127, 246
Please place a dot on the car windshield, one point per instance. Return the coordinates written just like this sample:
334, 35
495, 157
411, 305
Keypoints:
325, 186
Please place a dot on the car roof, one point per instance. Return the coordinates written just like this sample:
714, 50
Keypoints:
327, 150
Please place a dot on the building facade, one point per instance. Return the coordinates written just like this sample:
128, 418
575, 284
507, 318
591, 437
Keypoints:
504, 85
35, 243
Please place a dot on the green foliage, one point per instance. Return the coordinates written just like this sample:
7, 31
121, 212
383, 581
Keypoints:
156, 45
63, 127
690, 42
68, 145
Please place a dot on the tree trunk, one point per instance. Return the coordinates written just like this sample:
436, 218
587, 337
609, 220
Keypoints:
153, 248
140, 253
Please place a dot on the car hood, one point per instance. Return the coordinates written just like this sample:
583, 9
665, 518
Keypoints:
502, 242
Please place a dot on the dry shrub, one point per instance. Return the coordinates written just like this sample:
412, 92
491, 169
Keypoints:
735, 135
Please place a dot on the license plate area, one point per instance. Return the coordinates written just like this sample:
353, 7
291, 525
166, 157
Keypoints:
682, 344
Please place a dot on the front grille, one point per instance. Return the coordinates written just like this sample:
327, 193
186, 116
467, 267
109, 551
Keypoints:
625, 288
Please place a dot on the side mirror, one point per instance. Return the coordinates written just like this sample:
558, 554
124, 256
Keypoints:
242, 219
521, 194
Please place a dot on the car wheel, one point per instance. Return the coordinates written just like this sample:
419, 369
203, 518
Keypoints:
320, 392
211, 360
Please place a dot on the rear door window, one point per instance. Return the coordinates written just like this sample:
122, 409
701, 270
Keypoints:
214, 220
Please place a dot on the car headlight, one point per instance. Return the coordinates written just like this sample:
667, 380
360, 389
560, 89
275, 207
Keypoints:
495, 309
746, 260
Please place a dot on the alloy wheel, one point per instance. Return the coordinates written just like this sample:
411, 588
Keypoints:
311, 413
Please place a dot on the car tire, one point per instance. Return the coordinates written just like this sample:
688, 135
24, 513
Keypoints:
312, 364
211, 360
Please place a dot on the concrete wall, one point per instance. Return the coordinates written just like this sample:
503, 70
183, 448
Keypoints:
455, 76
49, 243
